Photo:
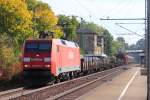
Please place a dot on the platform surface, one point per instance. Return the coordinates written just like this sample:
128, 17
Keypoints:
129, 85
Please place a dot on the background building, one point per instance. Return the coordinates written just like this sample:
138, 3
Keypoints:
91, 42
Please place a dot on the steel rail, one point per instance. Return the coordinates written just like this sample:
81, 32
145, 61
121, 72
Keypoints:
76, 89
21, 92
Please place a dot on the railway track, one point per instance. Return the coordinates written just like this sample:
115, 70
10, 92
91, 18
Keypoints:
61, 90
9, 93
81, 90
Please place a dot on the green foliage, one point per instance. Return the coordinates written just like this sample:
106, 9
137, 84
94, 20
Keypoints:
93, 27
107, 42
16, 21
31, 4
123, 44
69, 26
19, 20
140, 44
44, 17
58, 33
121, 40
8, 60
7, 56
115, 46
82, 52
119, 44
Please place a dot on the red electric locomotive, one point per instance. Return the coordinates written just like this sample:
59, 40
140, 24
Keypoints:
49, 59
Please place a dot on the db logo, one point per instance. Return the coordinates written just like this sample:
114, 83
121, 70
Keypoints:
71, 55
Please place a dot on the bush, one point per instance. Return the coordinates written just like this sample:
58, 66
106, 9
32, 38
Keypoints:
8, 61
6, 55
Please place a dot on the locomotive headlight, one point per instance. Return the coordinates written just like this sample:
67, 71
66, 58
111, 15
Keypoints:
26, 59
26, 66
47, 65
47, 59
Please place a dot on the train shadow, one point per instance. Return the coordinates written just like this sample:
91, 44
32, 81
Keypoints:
34, 86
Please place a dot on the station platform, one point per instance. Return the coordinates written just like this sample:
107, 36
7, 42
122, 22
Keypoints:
129, 85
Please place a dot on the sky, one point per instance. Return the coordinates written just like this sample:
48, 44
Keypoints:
93, 10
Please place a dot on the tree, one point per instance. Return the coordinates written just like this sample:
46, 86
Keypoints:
69, 26
44, 17
123, 44
16, 21
58, 31
15, 26
121, 40
132, 47
19, 20
119, 45
140, 44
31, 4
115, 46
93, 27
107, 42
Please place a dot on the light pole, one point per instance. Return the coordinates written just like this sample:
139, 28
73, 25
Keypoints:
81, 34
147, 5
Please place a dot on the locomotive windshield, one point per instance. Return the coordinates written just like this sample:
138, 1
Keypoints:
37, 47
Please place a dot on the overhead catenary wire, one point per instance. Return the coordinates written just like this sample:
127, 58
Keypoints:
129, 6
114, 7
129, 30
85, 8
91, 14
122, 19
139, 25
126, 19
119, 7
116, 31
130, 23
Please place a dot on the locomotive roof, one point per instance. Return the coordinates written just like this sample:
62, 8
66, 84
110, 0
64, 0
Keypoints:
38, 39
96, 55
66, 43
58, 42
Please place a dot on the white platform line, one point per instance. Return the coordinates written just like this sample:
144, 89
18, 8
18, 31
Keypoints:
127, 86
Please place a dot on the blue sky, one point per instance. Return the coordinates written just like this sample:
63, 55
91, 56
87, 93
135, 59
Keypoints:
93, 10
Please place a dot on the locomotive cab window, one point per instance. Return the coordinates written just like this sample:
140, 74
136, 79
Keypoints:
37, 47
44, 47
31, 47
